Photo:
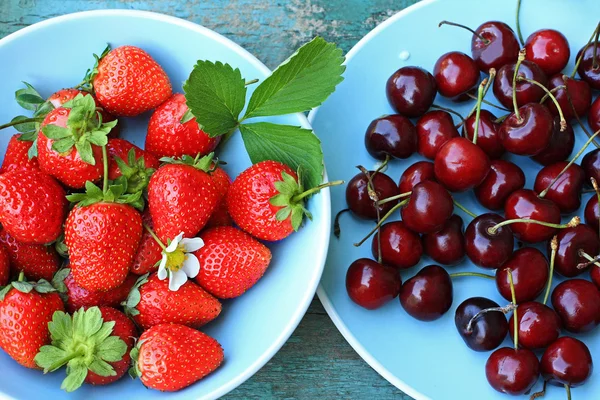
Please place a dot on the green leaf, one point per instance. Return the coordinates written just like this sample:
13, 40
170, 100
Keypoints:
61, 326
24, 287
30, 136
85, 152
134, 299
187, 116
24, 97
112, 349
98, 138
91, 322
32, 152
58, 280
48, 355
104, 332
43, 109
215, 93
5, 291
75, 377
55, 132
24, 127
294, 146
43, 286
101, 368
301, 83
29, 98
283, 213
63, 145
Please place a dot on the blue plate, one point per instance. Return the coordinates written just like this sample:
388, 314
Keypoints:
55, 54
425, 360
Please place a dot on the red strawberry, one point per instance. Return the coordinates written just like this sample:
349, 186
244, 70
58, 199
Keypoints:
78, 297
128, 82
16, 155
168, 137
152, 303
37, 261
32, 206
149, 251
24, 319
231, 261
222, 181
170, 357
120, 148
181, 198
4, 266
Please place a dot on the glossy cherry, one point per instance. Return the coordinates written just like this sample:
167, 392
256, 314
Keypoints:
525, 203
595, 275
512, 371
418, 172
567, 361
485, 249
400, 247
428, 208
434, 129
570, 242
498, 47
526, 92
370, 284
591, 165
488, 137
539, 325
592, 213
357, 195
579, 93
529, 133
530, 273
577, 303
461, 165
566, 191
488, 330
391, 135
594, 115
587, 70
411, 91
446, 246
456, 74
560, 146
549, 49
427, 295
504, 178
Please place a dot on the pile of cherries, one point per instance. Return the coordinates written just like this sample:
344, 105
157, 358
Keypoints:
539, 103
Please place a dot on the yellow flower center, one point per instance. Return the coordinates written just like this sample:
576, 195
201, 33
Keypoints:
176, 259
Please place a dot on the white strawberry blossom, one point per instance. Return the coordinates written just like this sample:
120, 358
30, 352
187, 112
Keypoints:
178, 263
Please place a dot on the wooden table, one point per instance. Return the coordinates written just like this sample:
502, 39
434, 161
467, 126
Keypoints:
316, 362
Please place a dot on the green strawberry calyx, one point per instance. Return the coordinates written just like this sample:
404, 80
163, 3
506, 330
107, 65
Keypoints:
134, 371
41, 286
87, 83
134, 297
135, 171
83, 342
116, 192
207, 163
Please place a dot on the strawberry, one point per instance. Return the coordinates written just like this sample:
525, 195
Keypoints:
4, 266
126, 159
222, 181
78, 297
149, 251
16, 155
25, 310
232, 261
174, 132
32, 206
127, 81
151, 303
170, 357
93, 343
36, 261
181, 197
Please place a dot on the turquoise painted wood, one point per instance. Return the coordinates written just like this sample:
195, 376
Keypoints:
316, 362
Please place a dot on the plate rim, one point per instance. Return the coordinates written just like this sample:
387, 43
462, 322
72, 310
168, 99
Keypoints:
324, 198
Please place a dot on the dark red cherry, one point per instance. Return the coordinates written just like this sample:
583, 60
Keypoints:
526, 92
587, 70
594, 116
504, 178
577, 303
461, 165
428, 208
446, 246
512, 371
595, 275
456, 74
357, 195
592, 213
525, 203
591, 165
570, 242
567, 361
427, 295
434, 129
487, 135
579, 92
370, 284
485, 249
529, 135
391, 135
530, 274
400, 247
566, 191
549, 49
411, 91
499, 48
488, 330
418, 172
560, 146
539, 325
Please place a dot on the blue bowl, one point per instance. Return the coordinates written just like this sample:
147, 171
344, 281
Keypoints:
55, 54
425, 360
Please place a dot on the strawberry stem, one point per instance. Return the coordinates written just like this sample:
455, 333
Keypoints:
309, 192
151, 232
554, 249
21, 277
20, 121
105, 165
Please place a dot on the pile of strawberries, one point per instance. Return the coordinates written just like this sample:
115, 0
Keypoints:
99, 237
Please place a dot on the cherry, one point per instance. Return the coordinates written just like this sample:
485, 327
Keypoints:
565, 192
527, 133
428, 208
461, 165
358, 199
456, 74
487, 331
371, 284
595, 275
512, 371
560, 146
494, 45
594, 115
487, 135
391, 135
567, 361
539, 325
485, 249
591, 165
577, 303
400, 247
571, 242
525, 92
525, 204
579, 94
529, 268
446, 246
588, 71
411, 91
592, 213
549, 49
427, 295
418, 172
434, 129
504, 178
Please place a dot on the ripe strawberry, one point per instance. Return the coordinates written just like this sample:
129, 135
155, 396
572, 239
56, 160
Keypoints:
78, 297
231, 261
93, 343
4, 266
127, 82
151, 303
24, 316
168, 136
170, 357
181, 198
32, 206
220, 216
149, 251
16, 155
36, 261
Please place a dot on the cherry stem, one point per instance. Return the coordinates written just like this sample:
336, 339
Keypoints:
554, 248
592, 260
486, 41
504, 310
563, 121
491, 78
597, 191
449, 110
570, 100
514, 302
519, 23
594, 57
541, 393
151, 232
594, 35
336, 223
396, 197
568, 389
572, 223
463, 208
502, 118
553, 90
482, 85
489, 103
379, 255
309, 192
477, 274
381, 221
21, 121
514, 84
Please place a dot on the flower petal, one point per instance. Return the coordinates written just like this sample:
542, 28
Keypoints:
192, 244
176, 280
162, 271
174, 243
191, 266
